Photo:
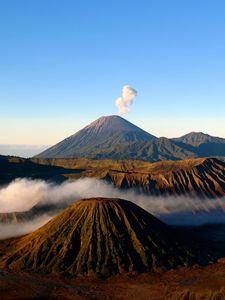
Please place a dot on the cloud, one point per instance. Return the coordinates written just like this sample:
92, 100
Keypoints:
22, 194
124, 102
13, 230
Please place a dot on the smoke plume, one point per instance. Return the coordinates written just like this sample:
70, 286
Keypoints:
22, 194
126, 100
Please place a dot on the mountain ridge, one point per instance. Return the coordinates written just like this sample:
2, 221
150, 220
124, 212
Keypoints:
113, 137
195, 139
199, 177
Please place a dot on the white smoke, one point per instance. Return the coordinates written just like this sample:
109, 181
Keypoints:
23, 194
126, 100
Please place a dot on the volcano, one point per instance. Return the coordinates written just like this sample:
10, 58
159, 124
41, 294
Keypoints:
104, 138
100, 236
112, 137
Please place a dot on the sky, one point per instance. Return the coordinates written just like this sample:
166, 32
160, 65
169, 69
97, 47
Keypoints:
64, 63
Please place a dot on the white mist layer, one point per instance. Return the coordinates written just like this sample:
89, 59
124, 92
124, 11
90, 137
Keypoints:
22, 194
14, 230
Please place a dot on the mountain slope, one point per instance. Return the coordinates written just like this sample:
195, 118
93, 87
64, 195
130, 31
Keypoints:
98, 139
204, 178
115, 138
164, 149
196, 139
102, 236
12, 167
202, 144
201, 177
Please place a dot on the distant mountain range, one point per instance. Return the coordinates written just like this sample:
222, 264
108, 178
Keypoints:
201, 144
112, 137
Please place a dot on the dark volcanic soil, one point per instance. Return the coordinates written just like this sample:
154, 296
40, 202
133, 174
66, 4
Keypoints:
167, 285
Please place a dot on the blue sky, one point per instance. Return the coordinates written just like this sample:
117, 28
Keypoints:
63, 64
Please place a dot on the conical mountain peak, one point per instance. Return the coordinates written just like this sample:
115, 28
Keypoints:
107, 137
101, 236
115, 123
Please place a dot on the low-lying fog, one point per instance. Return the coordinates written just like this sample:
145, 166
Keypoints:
23, 194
